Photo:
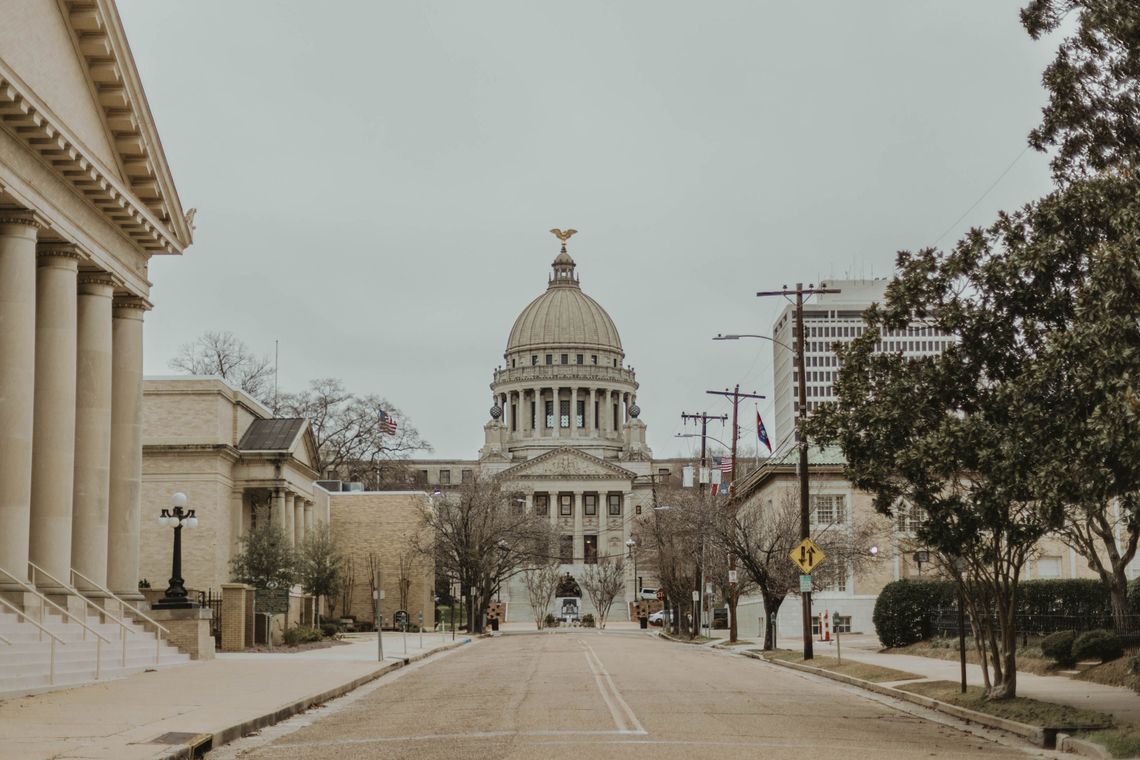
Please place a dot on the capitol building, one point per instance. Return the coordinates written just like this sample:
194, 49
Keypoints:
565, 433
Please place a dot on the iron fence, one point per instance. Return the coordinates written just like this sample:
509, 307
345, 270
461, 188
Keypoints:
213, 602
945, 625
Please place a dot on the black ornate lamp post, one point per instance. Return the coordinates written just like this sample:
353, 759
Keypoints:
176, 517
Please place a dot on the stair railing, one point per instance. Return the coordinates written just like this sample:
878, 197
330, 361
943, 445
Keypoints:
55, 639
159, 629
28, 588
35, 571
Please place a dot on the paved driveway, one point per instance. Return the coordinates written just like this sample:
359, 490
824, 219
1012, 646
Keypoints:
606, 695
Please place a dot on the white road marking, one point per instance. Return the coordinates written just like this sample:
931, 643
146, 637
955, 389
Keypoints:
625, 719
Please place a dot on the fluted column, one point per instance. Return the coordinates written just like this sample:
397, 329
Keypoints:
299, 519
557, 406
309, 518
277, 516
90, 515
237, 519
126, 445
17, 387
53, 438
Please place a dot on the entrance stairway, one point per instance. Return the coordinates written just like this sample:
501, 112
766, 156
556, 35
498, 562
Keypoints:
49, 647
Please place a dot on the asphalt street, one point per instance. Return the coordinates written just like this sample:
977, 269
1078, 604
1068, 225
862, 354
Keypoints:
608, 695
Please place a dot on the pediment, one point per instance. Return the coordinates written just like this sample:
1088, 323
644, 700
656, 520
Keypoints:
567, 464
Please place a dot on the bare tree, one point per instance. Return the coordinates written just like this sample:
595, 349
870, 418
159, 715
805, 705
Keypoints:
405, 567
475, 536
603, 582
348, 587
227, 356
541, 583
352, 432
671, 546
762, 533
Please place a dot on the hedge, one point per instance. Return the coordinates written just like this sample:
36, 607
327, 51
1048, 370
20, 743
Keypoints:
906, 610
1097, 645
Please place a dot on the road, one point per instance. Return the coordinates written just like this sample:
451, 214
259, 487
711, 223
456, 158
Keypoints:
606, 695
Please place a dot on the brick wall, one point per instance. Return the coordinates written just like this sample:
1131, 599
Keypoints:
385, 525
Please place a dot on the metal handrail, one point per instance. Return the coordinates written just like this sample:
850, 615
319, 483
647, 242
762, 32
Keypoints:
159, 629
54, 639
124, 629
99, 638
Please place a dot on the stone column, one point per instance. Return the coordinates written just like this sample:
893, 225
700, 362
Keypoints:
90, 515
574, 432
17, 387
309, 517
287, 523
277, 516
556, 392
125, 490
540, 411
53, 439
591, 417
299, 519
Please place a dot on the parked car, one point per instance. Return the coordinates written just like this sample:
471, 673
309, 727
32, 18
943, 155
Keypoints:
648, 593
659, 617
720, 617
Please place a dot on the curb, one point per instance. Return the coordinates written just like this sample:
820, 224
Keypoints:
205, 742
1037, 735
1067, 743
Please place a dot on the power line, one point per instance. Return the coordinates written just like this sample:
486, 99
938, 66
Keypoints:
982, 197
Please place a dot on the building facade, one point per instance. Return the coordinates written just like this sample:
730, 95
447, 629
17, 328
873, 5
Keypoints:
830, 319
86, 199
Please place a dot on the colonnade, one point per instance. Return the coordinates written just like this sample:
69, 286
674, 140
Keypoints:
603, 525
606, 410
70, 415
293, 511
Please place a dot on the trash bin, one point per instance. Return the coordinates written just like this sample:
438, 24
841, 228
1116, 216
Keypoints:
644, 621
494, 624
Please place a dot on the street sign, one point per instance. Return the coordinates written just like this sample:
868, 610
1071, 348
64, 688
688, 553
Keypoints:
805, 584
696, 596
400, 617
661, 594
732, 576
806, 556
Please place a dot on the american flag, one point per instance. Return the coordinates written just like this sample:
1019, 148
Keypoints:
724, 463
387, 423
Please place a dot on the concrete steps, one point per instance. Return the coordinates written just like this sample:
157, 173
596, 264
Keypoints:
26, 663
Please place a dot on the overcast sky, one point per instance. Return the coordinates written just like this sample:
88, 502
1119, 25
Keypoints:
375, 180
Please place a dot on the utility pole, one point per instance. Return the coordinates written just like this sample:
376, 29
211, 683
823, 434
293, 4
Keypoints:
735, 395
698, 602
801, 434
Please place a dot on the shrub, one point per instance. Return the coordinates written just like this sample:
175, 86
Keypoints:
551, 621
1059, 647
1097, 645
588, 620
905, 610
330, 629
1079, 598
302, 635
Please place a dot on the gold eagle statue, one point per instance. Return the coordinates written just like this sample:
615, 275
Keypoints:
562, 235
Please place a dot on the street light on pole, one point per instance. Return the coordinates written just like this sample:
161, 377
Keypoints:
177, 517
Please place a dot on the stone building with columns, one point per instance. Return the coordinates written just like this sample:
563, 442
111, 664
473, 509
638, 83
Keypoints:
234, 461
86, 199
564, 434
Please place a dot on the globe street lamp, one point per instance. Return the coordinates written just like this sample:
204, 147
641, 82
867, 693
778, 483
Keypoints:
176, 517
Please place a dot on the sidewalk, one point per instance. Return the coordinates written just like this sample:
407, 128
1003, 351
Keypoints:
1120, 702
120, 720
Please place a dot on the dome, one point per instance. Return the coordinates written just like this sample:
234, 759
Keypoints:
564, 316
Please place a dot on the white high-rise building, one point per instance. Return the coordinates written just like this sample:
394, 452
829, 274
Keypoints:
829, 319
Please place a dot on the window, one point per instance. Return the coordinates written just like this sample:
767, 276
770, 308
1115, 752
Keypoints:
550, 358
518, 504
566, 505
595, 358
910, 518
829, 508
512, 363
614, 500
468, 476
566, 549
843, 625
590, 504
580, 415
590, 544
549, 413
445, 477
1049, 567
564, 414
580, 360
534, 359
422, 477
542, 504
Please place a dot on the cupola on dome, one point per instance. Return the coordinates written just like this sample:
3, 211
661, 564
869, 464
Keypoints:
564, 317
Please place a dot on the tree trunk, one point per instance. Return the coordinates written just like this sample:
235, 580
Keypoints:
1118, 592
771, 609
733, 598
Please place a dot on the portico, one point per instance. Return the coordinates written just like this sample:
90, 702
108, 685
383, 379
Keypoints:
86, 198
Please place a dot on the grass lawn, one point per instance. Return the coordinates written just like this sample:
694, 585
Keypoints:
1113, 673
739, 643
873, 673
1029, 658
1024, 710
1121, 742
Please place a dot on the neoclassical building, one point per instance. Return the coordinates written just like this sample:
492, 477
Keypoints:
86, 199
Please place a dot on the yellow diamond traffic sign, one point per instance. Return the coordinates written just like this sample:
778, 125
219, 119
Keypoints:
806, 556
